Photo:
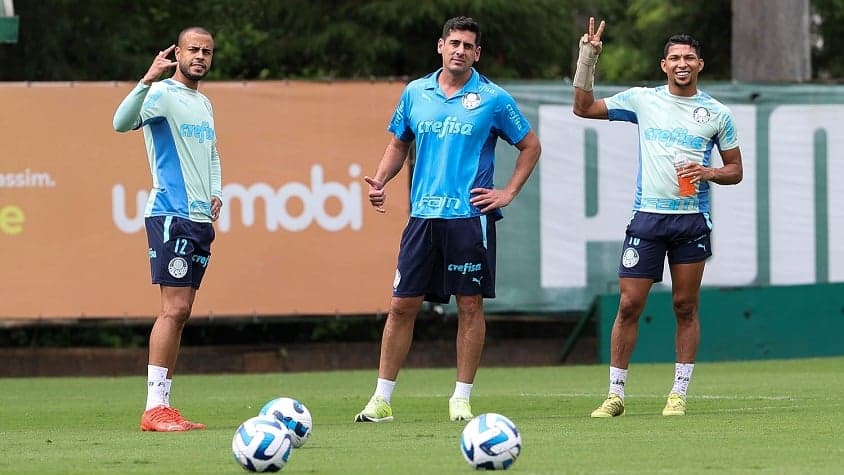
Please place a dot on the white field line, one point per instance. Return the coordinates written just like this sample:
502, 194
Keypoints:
599, 395
732, 397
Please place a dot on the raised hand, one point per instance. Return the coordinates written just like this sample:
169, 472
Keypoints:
593, 37
159, 65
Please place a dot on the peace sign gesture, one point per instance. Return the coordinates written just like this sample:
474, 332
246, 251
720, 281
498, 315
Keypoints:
159, 65
594, 37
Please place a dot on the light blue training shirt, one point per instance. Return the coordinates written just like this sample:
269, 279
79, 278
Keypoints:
670, 125
178, 125
455, 141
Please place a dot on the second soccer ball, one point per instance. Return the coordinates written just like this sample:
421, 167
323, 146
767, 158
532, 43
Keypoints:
294, 415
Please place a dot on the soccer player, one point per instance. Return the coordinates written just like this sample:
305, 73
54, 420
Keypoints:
675, 120
181, 142
455, 116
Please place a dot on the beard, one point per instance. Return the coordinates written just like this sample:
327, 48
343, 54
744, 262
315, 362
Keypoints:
684, 83
186, 72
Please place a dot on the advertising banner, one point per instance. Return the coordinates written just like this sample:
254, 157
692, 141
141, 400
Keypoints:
296, 236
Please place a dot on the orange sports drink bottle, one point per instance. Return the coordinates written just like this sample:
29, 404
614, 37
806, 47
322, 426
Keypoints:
687, 188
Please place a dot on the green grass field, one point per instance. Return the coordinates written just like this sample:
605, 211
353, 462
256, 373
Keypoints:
745, 417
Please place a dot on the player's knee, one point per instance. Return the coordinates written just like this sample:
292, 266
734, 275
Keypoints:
403, 310
470, 307
629, 310
178, 313
685, 310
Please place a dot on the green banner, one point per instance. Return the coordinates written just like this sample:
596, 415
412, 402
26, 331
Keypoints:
739, 324
9, 29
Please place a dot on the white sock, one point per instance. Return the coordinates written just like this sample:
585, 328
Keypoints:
618, 378
384, 388
682, 377
462, 390
167, 384
156, 386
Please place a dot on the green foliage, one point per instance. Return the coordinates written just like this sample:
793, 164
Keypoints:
744, 417
269, 39
827, 28
624, 63
74, 335
429, 326
636, 36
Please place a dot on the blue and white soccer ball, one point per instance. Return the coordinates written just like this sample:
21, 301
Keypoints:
294, 415
262, 444
491, 441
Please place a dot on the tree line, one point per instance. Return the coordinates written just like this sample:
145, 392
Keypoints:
103, 40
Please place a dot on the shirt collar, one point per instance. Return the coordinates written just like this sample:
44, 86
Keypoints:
471, 85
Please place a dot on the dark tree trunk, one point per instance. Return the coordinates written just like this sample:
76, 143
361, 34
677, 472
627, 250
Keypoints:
771, 41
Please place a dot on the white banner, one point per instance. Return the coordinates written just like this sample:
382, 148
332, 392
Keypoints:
800, 214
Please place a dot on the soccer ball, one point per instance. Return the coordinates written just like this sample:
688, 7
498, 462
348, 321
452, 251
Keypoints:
293, 415
491, 441
262, 444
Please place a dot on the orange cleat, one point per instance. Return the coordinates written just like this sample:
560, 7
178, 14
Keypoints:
166, 419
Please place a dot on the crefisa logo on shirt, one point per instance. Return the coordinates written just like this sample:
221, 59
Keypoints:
701, 115
201, 132
471, 100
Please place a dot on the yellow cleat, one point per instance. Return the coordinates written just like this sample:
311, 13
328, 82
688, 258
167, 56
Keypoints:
613, 406
459, 409
676, 405
376, 410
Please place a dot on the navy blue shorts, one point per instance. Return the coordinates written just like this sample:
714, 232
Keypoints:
179, 250
652, 236
439, 258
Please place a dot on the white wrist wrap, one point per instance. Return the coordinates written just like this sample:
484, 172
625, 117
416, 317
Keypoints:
584, 74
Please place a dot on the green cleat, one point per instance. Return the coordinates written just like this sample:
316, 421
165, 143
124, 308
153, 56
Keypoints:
376, 410
459, 409
676, 405
613, 406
